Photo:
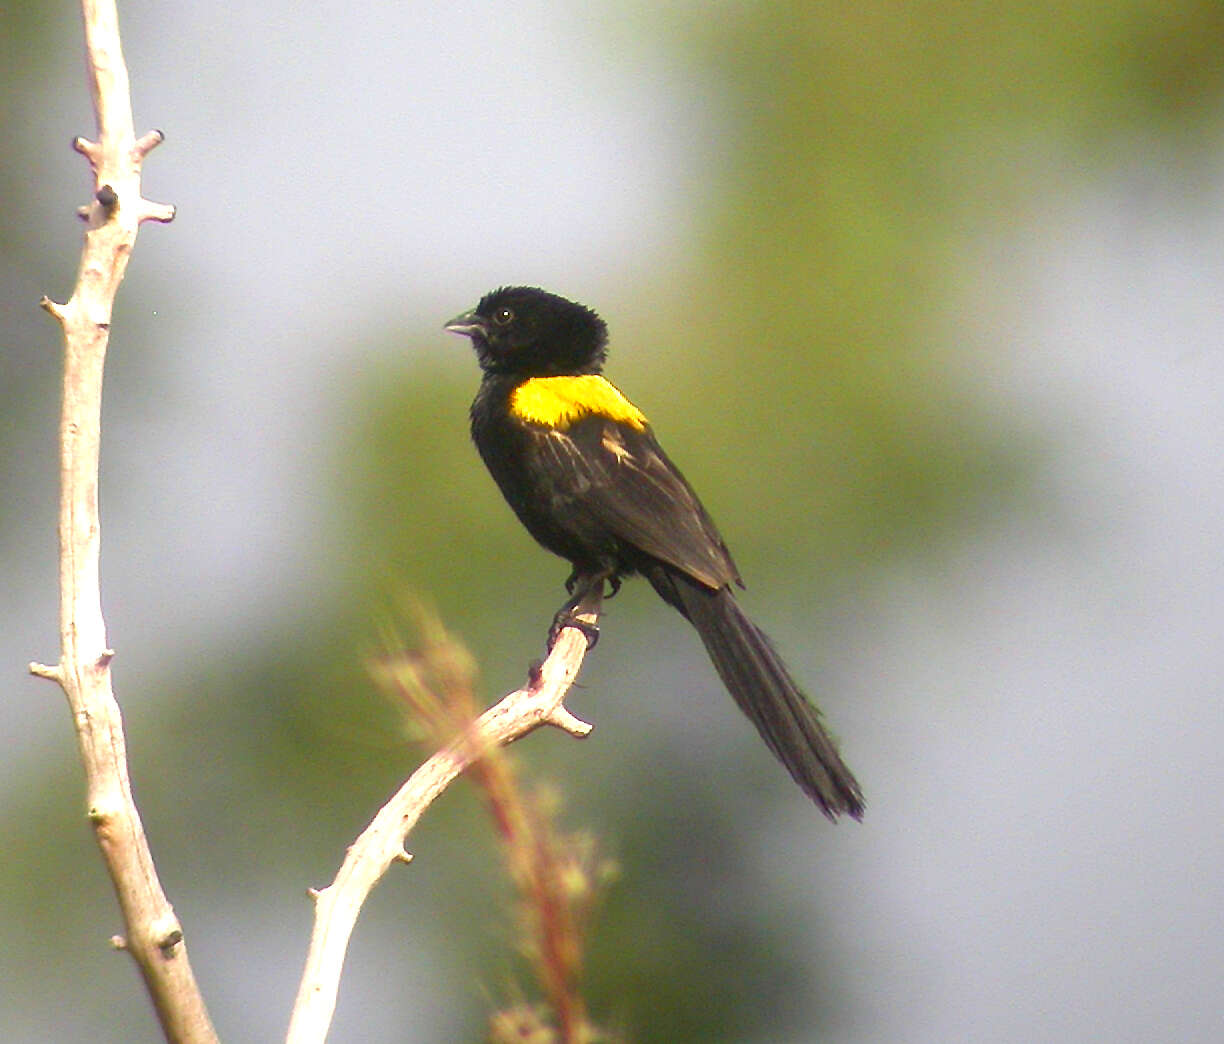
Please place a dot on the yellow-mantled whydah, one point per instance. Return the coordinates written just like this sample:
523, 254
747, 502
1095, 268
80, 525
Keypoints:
582, 470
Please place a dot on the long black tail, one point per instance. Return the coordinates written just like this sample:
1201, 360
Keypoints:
757, 678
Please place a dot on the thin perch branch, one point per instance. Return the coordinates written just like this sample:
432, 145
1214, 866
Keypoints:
153, 934
539, 702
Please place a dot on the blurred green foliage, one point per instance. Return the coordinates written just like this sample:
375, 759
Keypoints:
802, 383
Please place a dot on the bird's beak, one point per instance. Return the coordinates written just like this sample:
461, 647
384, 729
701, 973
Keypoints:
469, 324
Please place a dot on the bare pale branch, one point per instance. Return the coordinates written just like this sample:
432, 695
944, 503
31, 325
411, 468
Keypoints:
539, 702
153, 935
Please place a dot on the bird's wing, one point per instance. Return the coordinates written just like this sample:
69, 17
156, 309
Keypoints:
620, 477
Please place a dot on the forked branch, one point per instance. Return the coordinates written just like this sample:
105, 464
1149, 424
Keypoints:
539, 702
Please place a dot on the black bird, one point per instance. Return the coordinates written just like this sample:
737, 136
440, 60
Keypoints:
579, 465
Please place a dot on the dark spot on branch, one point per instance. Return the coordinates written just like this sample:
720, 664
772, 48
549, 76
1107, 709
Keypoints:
533, 673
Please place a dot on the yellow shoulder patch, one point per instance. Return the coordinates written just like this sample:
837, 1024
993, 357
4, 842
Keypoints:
557, 402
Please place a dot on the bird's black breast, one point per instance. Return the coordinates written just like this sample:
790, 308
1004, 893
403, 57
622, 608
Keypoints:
530, 465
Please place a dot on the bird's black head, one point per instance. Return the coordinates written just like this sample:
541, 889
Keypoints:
528, 331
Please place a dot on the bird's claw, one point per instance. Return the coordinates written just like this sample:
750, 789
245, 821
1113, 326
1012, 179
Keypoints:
567, 618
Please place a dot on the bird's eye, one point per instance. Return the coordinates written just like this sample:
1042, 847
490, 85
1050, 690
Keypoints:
503, 316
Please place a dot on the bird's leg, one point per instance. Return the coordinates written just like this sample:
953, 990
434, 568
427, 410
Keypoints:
580, 586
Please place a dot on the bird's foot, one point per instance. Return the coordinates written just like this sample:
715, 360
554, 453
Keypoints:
567, 617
